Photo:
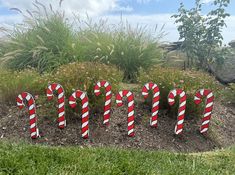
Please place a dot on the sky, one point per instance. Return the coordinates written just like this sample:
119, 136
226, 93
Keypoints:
138, 12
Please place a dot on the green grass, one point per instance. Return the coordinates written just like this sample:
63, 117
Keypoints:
32, 159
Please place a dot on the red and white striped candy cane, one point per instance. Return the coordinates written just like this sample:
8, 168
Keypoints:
208, 109
131, 118
155, 104
61, 98
32, 112
85, 110
108, 97
182, 107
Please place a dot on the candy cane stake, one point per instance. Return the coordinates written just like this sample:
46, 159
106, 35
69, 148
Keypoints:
182, 107
85, 110
32, 112
208, 109
108, 97
130, 99
155, 102
61, 98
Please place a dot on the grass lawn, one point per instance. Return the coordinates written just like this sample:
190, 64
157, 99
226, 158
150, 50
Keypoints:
31, 159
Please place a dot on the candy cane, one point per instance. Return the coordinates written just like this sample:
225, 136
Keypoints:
108, 96
182, 107
61, 98
130, 99
208, 109
85, 110
32, 112
155, 103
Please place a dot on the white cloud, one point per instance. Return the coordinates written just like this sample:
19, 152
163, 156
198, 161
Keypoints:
207, 1
145, 1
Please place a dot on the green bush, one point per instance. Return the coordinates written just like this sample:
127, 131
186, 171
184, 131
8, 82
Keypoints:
73, 76
190, 81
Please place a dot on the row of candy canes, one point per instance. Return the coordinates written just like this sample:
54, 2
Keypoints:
27, 99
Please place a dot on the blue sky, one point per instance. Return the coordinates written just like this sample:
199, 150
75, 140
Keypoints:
143, 12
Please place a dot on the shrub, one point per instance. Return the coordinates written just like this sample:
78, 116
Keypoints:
73, 76
190, 81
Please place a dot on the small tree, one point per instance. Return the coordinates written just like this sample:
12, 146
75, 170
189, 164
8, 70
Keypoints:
201, 35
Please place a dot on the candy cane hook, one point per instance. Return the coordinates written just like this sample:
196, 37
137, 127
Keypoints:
85, 110
155, 102
108, 97
32, 112
130, 99
182, 107
208, 109
61, 98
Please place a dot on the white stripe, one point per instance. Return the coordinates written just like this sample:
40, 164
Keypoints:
20, 97
131, 103
130, 113
156, 94
174, 92
155, 104
130, 123
106, 121
32, 116
85, 105
179, 131
61, 123
60, 95
49, 87
180, 122
33, 134
61, 105
204, 130
181, 113
209, 104
20, 104
31, 107
74, 95
33, 125
130, 131
209, 95
153, 122
207, 114
82, 96
57, 87
118, 101
171, 100
205, 122
72, 102
85, 133
107, 102
106, 112
97, 91
182, 94
147, 86
121, 94
154, 113
154, 86
106, 84
61, 114
28, 97
108, 93
202, 92
98, 84
196, 98
84, 124
85, 114
128, 94
145, 93
183, 104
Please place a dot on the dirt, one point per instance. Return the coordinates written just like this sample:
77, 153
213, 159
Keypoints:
14, 125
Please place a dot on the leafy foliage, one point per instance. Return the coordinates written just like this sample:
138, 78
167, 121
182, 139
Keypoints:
202, 34
190, 81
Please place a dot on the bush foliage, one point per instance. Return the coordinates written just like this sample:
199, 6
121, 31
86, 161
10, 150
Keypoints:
190, 81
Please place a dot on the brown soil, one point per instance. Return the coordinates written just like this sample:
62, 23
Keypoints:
14, 125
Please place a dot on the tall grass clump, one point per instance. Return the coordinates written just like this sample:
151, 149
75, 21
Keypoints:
129, 48
43, 41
